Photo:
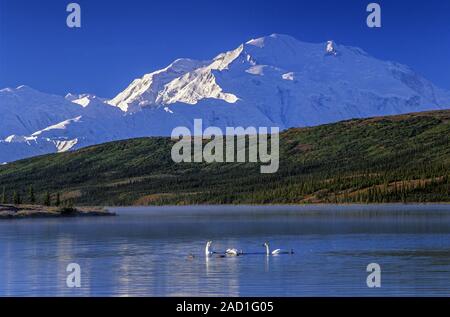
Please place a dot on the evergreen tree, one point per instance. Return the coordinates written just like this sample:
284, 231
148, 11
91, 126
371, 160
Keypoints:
58, 199
16, 198
3, 198
31, 196
48, 199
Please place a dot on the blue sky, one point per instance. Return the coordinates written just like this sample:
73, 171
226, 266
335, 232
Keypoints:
121, 40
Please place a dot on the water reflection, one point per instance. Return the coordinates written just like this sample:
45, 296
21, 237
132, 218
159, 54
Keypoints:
144, 252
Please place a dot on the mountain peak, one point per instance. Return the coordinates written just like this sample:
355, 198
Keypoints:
184, 64
274, 37
27, 89
144, 91
24, 87
69, 96
21, 88
84, 100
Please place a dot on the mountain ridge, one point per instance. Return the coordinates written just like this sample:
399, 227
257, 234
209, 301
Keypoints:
269, 81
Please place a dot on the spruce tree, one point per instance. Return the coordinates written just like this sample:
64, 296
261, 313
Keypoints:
16, 198
48, 199
32, 198
58, 199
3, 199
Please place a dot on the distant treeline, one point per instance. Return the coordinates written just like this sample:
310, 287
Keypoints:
19, 197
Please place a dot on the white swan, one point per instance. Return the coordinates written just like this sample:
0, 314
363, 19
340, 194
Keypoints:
277, 251
233, 252
208, 251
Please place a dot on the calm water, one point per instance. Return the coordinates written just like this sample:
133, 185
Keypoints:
143, 252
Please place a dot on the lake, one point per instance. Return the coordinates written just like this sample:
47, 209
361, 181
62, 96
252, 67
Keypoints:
144, 252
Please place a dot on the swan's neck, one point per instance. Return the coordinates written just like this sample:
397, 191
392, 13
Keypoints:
267, 249
207, 249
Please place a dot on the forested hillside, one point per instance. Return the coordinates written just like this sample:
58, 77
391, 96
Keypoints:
402, 158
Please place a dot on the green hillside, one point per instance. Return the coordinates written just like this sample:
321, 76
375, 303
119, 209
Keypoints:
402, 158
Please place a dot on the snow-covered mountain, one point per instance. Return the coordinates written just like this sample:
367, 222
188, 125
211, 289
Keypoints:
270, 81
291, 83
24, 110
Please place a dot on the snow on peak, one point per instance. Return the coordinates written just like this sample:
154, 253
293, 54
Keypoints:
331, 48
71, 97
23, 87
143, 92
25, 110
288, 76
85, 100
193, 87
26, 90
223, 61
269, 40
185, 81
65, 145
15, 139
183, 65
59, 126
259, 42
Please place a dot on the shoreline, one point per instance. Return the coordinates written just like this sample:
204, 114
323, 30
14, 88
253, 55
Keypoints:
280, 210
8, 211
312, 205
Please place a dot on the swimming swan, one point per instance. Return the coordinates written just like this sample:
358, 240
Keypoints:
208, 251
233, 252
277, 251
